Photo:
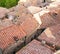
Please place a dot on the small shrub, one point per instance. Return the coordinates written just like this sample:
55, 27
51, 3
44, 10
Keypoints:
8, 3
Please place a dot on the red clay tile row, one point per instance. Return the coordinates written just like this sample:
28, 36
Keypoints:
13, 33
14, 47
35, 47
52, 36
45, 17
10, 35
29, 25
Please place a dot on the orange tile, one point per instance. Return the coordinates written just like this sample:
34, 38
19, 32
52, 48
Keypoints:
3, 11
29, 25
55, 13
51, 35
47, 20
35, 47
10, 35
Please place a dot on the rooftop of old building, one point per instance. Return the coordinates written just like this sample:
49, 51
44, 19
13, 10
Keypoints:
30, 27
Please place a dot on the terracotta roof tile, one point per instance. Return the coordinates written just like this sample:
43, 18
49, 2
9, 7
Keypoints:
56, 14
49, 15
35, 47
9, 35
3, 12
22, 8
45, 19
29, 25
51, 35
28, 2
5, 23
21, 15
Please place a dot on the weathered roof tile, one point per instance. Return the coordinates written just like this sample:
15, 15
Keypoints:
10, 35
44, 18
29, 25
3, 12
51, 35
35, 47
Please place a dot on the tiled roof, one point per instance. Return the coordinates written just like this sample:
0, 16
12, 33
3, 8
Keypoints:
29, 25
10, 35
55, 13
35, 47
29, 21
22, 8
22, 17
5, 23
51, 35
45, 19
3, 12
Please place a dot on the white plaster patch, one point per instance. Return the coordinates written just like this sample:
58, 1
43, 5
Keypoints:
37, 17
